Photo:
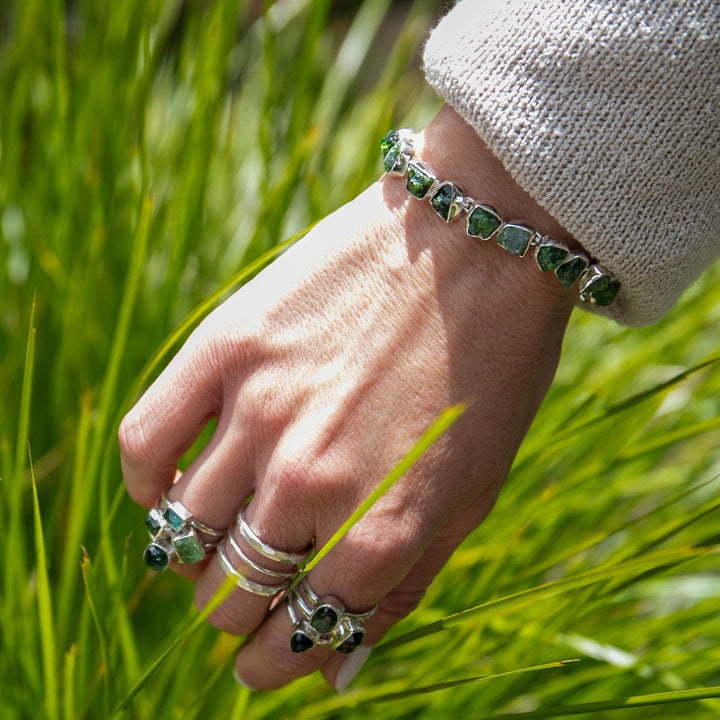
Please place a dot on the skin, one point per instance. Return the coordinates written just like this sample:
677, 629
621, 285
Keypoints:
325, 370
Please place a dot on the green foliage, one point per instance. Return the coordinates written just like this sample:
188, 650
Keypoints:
150, 153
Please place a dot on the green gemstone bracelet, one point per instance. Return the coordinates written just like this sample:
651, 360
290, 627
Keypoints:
597, 286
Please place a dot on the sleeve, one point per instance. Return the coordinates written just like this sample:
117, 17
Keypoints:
608, 113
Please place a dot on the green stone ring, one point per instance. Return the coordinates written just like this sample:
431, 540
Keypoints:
176, 535
321, 623
597, 286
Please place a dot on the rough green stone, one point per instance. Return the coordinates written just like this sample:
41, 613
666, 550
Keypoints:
173, 519
482, 223
324, 619
570, 271
300, 642
388, 141
515, 239
605, 297
152, 524
418, 181
549, 257
352, 642
155, 557
188, 549
390, 157
596, 284
443, 201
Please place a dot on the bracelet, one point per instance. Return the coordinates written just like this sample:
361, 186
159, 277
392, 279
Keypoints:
597, 286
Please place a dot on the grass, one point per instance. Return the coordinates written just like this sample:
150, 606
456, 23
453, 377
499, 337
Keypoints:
150, 153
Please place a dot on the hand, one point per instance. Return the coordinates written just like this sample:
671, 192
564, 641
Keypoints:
325, 370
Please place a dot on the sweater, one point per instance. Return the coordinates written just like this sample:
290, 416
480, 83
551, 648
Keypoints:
607, 112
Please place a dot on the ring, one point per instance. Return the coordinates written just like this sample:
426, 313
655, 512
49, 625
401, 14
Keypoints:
316, 623
264, 550
176, 535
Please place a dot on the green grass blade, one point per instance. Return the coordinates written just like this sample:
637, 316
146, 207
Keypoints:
45, 616
221, 594
443, 422
603, 574
91, 592
650, 700
15, 552
69, 700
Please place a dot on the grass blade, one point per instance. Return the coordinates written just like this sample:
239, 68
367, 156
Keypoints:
652, 699
45, 616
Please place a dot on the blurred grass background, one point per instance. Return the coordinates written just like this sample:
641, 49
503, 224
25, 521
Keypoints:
151, 151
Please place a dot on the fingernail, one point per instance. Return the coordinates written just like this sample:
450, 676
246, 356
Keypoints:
351, 667
241, 682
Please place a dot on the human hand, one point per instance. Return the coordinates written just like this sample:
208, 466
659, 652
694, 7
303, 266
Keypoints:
325, 370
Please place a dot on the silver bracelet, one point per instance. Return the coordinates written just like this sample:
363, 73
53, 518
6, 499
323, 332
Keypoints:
597, 286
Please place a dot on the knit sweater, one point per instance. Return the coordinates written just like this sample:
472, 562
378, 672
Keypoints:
608, 113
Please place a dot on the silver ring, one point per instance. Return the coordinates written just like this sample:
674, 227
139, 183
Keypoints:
262, 548
318, 623
254, 565
245, 583
176, 535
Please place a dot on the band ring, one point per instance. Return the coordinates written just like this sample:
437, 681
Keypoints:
176, 535
317, 623
243, 582
262, 548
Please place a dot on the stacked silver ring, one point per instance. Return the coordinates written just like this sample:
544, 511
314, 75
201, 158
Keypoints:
317, 623
177, 535
292, 560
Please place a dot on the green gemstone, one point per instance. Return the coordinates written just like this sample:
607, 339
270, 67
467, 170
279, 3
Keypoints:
390, 157
444, 201
515, 239
155, 557
348, 645
300, 642
482, 223
173, 519
188, 549
549, 257
418, 181
324, 619
570, 271
605, 297
388, 141
152, 523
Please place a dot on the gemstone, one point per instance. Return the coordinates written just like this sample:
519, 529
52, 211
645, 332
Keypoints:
188, 549
155, 557
391, 156
549, 257
388, 141
353, 641
571, 270
152, 523
447, 201
324, 619
605, 297
300, 642
419, 181
515, 239
483, 222
173, 519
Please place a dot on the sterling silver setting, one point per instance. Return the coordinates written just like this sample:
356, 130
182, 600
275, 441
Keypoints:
176, 535
322, 623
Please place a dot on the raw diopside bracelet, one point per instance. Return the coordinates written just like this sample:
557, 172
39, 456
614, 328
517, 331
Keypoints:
597, 286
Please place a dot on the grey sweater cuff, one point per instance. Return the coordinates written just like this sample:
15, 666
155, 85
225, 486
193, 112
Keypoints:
608, 114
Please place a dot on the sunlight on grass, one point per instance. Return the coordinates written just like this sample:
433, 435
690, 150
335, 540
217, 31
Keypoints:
153, 156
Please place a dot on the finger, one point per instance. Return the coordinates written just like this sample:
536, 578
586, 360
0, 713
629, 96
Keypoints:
243, 611
164, 423
359, 572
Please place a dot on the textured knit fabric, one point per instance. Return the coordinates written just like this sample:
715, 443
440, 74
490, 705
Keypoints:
608, 113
